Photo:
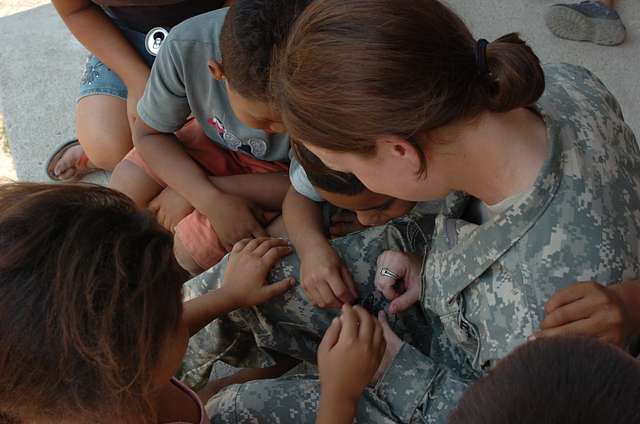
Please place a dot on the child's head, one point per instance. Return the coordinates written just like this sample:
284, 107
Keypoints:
90, 295
252, 31
563, 380
347, 192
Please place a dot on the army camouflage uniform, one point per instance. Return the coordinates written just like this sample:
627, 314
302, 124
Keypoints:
484, 286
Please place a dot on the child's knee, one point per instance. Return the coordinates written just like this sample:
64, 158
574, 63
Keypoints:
130, 179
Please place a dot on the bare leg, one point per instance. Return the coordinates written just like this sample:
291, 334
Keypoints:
130, 179
103, 133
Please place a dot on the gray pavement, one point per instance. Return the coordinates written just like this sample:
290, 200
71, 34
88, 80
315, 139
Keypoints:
41, 64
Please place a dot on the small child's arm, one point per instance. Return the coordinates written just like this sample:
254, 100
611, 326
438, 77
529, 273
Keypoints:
323, 276
244, 283
232, 217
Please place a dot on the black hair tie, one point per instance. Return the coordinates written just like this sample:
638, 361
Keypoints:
481, 57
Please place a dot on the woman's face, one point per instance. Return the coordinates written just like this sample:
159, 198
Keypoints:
392, 170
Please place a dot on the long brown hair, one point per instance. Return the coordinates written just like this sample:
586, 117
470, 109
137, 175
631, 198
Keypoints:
355, 70
89, 293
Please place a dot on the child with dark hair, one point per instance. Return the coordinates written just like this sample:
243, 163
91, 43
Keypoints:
324, 277
94, 330
215, 68
559, 380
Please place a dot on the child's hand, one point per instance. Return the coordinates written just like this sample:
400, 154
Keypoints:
234, 219
170, 208
349, 354
394, 267
591, 309
249, 263
325, 279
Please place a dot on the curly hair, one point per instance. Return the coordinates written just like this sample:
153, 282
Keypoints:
252, 32
89, 292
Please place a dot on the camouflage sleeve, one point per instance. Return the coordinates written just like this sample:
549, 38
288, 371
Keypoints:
417, 389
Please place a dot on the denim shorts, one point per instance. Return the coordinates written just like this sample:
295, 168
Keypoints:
97, 78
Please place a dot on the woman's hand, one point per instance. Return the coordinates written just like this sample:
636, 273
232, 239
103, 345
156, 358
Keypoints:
398, 278
250, 261
325, 279
350, 354
591, 309
394, 344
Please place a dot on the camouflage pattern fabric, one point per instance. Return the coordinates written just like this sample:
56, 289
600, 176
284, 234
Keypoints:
484, 286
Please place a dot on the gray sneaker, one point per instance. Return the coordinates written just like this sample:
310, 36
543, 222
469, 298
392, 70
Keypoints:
586, 21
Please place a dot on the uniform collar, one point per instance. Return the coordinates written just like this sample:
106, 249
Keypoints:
461, 251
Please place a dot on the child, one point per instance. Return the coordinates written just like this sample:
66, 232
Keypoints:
94, 330
560, 380
214, 67
325, 279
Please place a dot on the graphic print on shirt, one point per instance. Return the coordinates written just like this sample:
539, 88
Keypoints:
256, 147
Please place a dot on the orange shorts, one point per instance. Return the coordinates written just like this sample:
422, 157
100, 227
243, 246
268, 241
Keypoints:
195, 231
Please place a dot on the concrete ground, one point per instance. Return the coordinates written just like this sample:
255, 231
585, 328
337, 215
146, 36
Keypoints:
41, 64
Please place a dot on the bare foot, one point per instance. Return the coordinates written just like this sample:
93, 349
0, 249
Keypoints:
70, 165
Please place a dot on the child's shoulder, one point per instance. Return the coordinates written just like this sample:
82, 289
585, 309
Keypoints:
204, 28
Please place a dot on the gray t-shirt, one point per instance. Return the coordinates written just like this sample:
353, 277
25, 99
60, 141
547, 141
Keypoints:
181, 84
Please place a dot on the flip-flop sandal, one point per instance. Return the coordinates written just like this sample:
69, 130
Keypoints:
81, 164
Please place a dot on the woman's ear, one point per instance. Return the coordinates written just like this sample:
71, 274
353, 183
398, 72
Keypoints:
216, 69
400, 149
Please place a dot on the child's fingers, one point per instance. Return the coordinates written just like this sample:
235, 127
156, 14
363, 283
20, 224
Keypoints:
568, 295
278, 289
574, 311
327, 298
350, 324
331, 336
253, 244
367, 324
269, 243
585, 327
339, 289
275, 253
258, 231
241, 245
348, 279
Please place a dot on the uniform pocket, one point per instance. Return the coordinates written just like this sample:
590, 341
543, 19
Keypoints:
462, 332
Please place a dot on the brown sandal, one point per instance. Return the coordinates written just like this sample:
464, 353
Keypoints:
81, 165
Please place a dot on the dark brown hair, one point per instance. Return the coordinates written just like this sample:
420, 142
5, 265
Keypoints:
251, 32
562, 380
355, 70
325, 178
89, 293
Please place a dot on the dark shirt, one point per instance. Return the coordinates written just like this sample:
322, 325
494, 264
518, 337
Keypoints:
143, 15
